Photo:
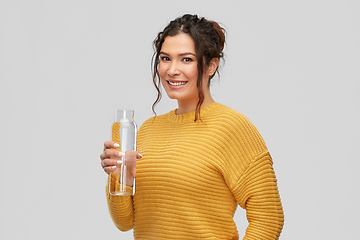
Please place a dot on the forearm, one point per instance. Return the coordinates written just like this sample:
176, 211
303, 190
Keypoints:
266, 221
120, 209
258, 194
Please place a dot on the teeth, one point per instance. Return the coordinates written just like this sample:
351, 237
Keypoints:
176, 83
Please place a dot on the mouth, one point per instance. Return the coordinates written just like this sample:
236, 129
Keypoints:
176, 84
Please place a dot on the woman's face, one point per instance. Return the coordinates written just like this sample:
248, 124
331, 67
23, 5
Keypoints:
178, 67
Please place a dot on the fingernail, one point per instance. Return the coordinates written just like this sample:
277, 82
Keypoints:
119, 162
113, 167
116, 145
140, 155
121, 154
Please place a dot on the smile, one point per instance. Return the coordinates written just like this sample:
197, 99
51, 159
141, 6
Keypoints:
176, 83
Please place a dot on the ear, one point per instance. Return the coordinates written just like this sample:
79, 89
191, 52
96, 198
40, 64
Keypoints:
214, 63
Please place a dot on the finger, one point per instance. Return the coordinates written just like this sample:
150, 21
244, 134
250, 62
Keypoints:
111, 153
134, 154
102, 156
110, 163
130, 158
108, 170
109, 145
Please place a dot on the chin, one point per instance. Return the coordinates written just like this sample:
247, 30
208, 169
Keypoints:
173, 96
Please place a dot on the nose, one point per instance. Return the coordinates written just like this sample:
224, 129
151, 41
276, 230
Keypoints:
173, 70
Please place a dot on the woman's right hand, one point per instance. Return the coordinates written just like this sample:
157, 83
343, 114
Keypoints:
111, 159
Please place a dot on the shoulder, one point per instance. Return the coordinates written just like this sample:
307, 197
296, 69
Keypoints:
238, 128
154, 121
231, 117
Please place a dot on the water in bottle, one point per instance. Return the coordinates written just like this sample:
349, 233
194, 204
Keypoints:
124, 130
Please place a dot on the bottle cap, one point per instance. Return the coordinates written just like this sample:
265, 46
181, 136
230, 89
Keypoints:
123, 116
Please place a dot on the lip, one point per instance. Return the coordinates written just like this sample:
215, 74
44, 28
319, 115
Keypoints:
175, 81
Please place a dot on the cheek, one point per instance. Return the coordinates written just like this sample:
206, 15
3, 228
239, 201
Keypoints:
161, 70
191, 72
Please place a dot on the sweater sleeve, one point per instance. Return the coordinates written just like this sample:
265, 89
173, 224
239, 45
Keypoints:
248, 172
257, 192
120, 208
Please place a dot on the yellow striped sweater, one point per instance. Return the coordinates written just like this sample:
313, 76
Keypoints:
194, 174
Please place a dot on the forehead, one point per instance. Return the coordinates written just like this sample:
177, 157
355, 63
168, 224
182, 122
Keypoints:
179, 43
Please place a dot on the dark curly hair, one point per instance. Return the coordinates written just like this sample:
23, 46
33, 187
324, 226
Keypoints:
209, 39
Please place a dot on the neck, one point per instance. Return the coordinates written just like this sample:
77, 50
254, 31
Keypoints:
185, 106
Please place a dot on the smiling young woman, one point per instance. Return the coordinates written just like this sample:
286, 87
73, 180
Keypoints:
199, 161
204, 40
178, 73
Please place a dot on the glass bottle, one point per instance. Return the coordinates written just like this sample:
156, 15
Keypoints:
124, 130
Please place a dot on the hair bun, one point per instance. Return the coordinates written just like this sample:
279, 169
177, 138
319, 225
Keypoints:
221, 32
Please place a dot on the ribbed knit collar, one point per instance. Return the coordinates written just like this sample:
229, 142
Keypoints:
190, 117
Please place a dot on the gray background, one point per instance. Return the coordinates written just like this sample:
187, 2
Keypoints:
292, 67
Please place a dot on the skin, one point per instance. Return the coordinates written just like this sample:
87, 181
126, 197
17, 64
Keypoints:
111, 160
178, 65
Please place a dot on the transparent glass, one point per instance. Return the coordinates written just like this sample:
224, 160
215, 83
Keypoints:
123, 132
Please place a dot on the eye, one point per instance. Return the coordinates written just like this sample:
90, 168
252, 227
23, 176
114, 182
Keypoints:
187, 59
164, 58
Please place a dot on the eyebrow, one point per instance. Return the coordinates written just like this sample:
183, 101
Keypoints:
181, 54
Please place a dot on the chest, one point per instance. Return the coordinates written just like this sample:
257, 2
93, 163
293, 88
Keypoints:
173, 156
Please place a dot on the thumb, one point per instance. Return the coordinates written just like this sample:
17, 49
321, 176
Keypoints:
138, 155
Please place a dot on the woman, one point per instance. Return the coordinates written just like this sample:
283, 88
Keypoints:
199, 161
